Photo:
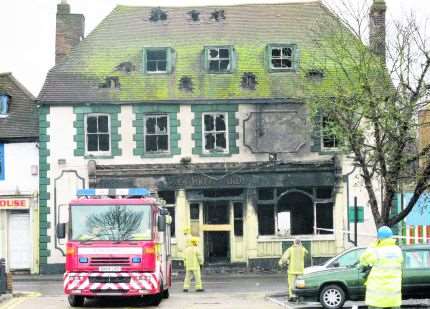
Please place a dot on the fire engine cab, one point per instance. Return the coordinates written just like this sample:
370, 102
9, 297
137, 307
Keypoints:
118, 244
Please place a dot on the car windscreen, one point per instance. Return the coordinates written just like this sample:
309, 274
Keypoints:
347, 259
110, 222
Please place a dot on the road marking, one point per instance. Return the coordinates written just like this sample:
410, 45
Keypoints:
19, 300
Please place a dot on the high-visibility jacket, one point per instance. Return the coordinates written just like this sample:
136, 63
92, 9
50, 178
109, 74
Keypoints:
384, 284
192, 258
294, 256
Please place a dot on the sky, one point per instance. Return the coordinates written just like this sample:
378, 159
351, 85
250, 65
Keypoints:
27, 28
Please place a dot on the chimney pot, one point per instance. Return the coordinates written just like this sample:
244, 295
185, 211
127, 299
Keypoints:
377, 29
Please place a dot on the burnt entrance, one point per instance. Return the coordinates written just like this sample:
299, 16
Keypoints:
298, 210
217, 247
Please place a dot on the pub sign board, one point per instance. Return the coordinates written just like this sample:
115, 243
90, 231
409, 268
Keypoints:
13, 203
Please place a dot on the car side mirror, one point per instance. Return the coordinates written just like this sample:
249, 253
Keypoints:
61, 230
162, 221
335, 264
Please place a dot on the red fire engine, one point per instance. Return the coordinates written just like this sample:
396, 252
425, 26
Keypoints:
118, 244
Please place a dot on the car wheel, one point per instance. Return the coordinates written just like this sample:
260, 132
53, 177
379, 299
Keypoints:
332, 297
76, 301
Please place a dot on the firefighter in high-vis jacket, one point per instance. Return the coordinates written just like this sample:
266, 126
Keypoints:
384, 283
294, 257
192, 262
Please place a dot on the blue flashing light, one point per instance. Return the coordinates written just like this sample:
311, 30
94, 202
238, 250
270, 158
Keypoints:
86, 192
139, 192
83, 260
114, 192
136, 259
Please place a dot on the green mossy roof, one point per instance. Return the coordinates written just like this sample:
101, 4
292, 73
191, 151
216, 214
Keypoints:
122, 35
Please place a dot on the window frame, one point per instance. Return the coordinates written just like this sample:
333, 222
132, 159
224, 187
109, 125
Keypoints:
294, 57
323, 135
4, 104
98, 152
231, 54
226, 132
156, 115
169, 60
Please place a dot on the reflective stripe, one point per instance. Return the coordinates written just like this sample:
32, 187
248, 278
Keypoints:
387, 267
383, 293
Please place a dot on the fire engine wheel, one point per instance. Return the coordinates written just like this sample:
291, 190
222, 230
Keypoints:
76, 301
332, 297
166, 293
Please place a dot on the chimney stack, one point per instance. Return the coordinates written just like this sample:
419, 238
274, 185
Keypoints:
70, 31
377, 28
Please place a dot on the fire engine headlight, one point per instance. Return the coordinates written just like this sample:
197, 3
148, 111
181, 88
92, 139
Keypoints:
136, 259
300, 284
83, 260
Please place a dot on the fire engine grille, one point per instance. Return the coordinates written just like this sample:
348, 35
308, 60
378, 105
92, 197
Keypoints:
109, 291
110, 261
109, 279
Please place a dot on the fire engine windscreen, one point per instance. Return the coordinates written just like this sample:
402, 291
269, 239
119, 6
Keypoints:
110, 222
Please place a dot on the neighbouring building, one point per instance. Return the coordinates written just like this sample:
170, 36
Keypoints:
19, 179
203, 105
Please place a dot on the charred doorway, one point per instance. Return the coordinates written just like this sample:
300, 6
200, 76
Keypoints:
216, 216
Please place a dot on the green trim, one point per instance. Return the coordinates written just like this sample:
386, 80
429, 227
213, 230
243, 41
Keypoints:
44, 181
198, 110
79, 125
172, 111
170, 54
295, 58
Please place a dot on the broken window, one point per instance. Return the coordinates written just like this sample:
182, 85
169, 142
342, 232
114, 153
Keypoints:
266, 219
218, 15
195, 15
186, 83
215, 132
125, 67
324, 220
281, 57
156, 60
97, 133
238, 219
156, 133
249, 81
216, 212
219, 59
194, 211
315, 75
158, 14
328, 136
111, 82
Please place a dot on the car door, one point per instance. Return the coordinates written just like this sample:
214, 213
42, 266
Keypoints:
416, 272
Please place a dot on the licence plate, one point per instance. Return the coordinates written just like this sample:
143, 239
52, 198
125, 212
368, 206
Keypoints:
110, 268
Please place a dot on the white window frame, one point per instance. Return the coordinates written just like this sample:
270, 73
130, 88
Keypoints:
145, 117
282, 57
155, 49
218, 58
214, 114
323, 134
98, 153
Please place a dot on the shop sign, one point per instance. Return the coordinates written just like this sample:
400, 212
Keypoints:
12, 203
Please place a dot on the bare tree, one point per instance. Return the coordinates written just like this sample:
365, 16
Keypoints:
371, 103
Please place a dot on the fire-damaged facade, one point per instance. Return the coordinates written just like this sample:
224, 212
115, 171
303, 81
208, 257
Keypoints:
204, 106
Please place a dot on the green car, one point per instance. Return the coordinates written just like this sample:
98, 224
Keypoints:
342, 279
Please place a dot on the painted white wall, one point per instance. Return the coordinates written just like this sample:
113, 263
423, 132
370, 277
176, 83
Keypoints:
19, 159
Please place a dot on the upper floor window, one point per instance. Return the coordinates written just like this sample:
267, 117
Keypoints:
4, 104
97, 131
219, 59
158, 60
328, 137
156, 133
282, 57
215, 137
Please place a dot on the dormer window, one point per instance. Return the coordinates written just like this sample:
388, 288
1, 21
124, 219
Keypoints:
157, 14
158, 60
282, 57
4, 104
219, 59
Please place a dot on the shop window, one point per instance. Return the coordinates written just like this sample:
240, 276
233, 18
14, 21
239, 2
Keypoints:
97, 133
170, 199
266, 219
266, 194
156, 133
295, 214
215, 137
324, 220
238, 219
216, 212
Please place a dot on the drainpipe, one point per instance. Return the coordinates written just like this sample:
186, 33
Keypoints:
346, 177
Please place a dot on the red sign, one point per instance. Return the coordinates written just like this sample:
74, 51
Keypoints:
13, 204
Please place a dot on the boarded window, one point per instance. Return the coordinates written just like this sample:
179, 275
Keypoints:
266, 219
156, 133
215, 132
98, 133
156, 60
238, 219
219, 60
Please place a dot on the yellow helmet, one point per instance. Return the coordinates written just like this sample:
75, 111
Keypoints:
187, 230
195, 241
